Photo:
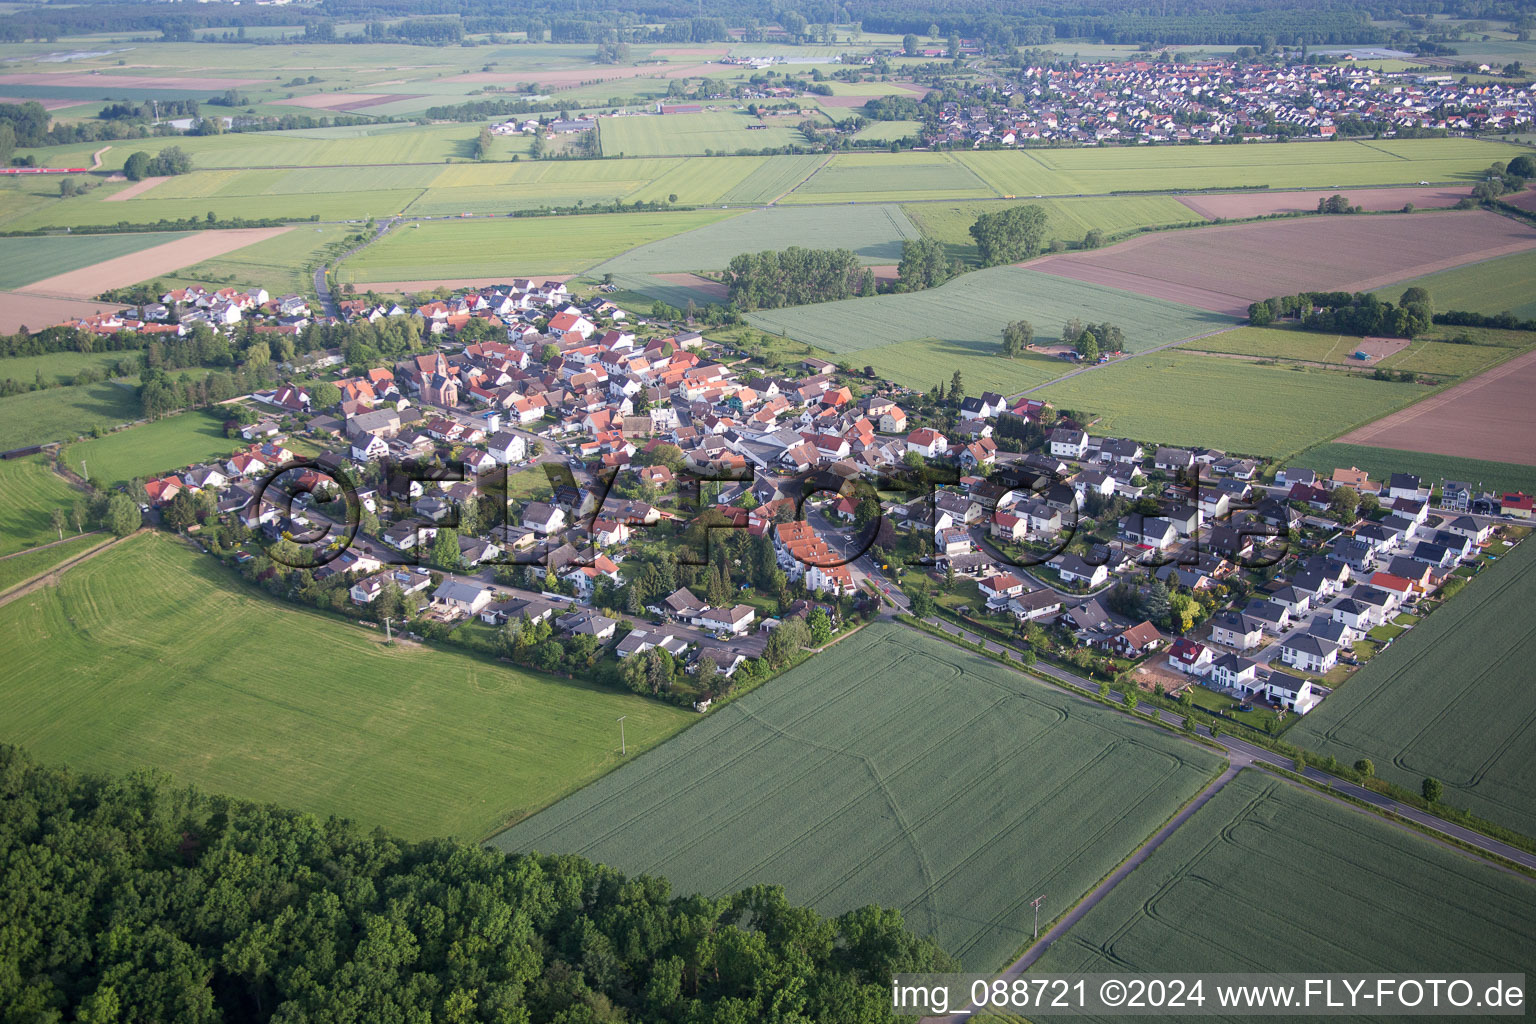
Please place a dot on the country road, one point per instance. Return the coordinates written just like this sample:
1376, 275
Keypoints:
323, 288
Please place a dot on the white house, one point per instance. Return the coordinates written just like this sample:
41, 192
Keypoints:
1309, 653
735, 620
1292, 692
927, 442
507, 447
1074, 570
1068, 444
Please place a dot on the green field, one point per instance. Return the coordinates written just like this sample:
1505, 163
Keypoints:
512, 246
1387, 899
25, 260
152, 655
1066, 219
960, 325
61, 414
890, 177
1502, 285
772, 179
897, 770
719, 131
61, 367
151, 449
1452, 699
1420, 356
1381, 463
32, 491
1277, 165
24, 565
873, 232
889, 131
1237, 406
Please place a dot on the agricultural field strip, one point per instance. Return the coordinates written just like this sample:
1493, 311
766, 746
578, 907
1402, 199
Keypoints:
1426, 706
1204, 872
752, 730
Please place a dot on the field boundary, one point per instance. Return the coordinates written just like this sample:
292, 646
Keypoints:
33, 583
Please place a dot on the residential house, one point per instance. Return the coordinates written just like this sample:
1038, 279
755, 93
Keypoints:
1309, 653
1236, 630
1190, 657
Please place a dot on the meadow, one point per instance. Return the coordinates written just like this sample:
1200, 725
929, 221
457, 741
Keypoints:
61, 367
153, 655
32, 491
1423, 355
25, 260
960, 324
1501, 285
1276, 165
60, 414
717, 131
894, 770
1067, 220
1393, 901
150, 449
22, 566
1452, 699
1241, 407
511, 246
1381, 463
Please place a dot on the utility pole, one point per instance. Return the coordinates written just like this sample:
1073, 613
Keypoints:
623, 748
1036, 904
388, 639
83, 473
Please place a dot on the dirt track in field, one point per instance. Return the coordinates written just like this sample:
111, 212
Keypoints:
138, 188
1489, 417
1237, 205
147, 263
1226, 267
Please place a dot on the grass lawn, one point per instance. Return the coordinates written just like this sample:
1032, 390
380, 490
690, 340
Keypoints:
152, 655
1381, 463
892, 769
1492, 286
511, 247
32, 491
1066, 219
150, 449
1174, 398
1452, 699
1394, 902
60, 414
26, 564
1210, 700
25, 260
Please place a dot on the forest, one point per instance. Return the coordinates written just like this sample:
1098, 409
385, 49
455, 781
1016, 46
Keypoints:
132, 898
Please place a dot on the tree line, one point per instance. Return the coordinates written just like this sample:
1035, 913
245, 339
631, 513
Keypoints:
132, 898
1355, 313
